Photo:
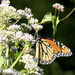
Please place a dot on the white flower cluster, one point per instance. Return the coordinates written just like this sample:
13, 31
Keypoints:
58, 6
14, 27
33, 21
21, 13
3, 37
6, 36
28, 13
7, 2
27, 37
10, 72
27, 50
18, 35
31, 65
24, 13
37, 27
27, 26
28, 10
10, 35
7, 12
14, 34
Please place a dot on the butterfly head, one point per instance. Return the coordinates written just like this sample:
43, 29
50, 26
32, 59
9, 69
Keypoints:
37, 37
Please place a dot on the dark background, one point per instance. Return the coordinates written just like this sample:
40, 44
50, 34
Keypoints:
64, 34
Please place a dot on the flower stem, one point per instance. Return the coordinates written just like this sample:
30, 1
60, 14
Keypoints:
68, 15
1, 50
55, 12
18, 58
16, 21
58, 12
36, 34
7, 52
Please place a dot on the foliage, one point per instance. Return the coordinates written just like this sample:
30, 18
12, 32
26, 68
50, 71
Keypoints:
16, 42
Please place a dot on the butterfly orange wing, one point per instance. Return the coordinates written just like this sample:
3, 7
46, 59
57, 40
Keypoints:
59, 48
47, 50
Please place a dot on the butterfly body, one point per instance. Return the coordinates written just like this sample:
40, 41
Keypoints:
48, 50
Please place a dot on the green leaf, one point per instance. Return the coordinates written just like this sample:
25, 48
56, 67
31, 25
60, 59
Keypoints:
16, 55
2, 61
23, 72
46, 18
57, 21
35, 63
53, 19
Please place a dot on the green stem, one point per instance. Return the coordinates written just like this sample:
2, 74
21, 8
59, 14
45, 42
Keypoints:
28, 22
39, 23
55, 12
15, 41
68, 15
54, 33
18, 58
16, 44
1, 49
58, 12
35, 33
16, 21
27, 72
7, 52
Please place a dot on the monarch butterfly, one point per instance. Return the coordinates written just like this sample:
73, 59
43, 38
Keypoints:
47, 50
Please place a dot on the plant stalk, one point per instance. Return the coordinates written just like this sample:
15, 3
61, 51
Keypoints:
18, 58
68, 15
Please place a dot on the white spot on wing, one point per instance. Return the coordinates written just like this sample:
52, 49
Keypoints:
63, 46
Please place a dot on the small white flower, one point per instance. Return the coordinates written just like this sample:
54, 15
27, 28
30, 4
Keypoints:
14, 27
7, 2
27, 37
33, 21
10, 35
28, 16
7, 12
62, 8
3, 37
58, 6
31, 65
37, 27
27, 50
18, 35
21, 12
10, 72
27, 58
27, 26
37, 73
28, 10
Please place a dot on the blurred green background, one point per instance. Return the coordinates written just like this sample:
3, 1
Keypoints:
65, 33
